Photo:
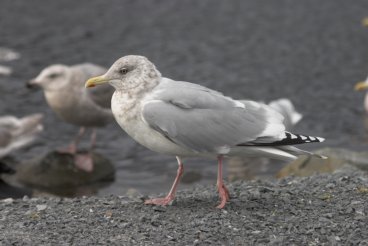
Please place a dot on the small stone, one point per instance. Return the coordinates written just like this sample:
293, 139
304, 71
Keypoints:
131, 192
108, 214
254, 194
265, 189
8, 200
159, 208
325, 197
28, 212
350, 210
355, 202
329, 215
344, 178
170, 238
41, 207
363, 189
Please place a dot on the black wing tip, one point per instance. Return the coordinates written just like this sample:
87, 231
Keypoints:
302, 138
291, 139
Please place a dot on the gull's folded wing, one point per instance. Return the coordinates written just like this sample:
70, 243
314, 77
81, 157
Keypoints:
203, 120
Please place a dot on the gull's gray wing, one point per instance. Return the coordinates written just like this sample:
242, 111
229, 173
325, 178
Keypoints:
204, 120
101, 95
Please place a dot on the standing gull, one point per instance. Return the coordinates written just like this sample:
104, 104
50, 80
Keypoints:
187, 120
64, 90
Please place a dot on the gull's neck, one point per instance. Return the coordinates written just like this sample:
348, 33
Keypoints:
125, 103
137, 92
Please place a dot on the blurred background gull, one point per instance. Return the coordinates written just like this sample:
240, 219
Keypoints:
310, 52
65, 94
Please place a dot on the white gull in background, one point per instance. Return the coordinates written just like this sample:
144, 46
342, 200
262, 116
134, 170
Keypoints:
189, 120
18, 132
64, 90
285, 107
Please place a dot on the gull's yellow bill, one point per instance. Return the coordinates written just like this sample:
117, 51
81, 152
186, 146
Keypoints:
361, 86
92, 82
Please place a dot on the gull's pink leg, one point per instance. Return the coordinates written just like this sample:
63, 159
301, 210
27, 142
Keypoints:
85, 161
72, 148
223, 191
166, 200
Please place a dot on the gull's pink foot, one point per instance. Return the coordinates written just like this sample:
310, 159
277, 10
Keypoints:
160, 201
170, 197
226, 191
84, 162
223, 191
224, 195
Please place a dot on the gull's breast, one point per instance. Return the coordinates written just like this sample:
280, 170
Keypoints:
127, 113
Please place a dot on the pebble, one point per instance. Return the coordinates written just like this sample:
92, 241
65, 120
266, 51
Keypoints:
8, 200
41, 207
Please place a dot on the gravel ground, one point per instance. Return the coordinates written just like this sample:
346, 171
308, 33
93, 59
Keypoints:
318, 210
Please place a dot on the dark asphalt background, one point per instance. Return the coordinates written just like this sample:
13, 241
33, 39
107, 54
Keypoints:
309, 51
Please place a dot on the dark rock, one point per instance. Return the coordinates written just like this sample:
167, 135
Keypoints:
8, 190
5, 168
55, 172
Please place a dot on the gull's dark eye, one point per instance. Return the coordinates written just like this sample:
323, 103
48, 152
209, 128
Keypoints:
123, 70
53, 75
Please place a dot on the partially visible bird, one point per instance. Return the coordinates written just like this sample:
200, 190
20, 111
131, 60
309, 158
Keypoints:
285, 107
189, 120
18, 132
63, 87
361, 86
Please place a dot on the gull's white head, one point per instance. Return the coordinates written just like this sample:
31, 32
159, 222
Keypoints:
52, 78
129, 73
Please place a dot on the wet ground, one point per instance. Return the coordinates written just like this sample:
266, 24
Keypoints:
311, 52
